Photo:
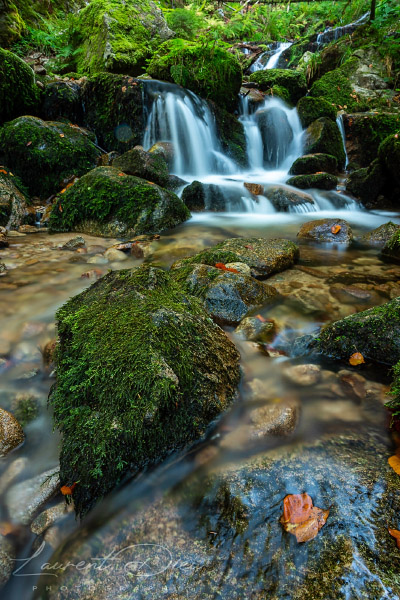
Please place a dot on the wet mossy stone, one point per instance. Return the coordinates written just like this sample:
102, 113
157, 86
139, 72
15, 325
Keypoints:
199, 196
367, 184
264, 257
335, 87
44, 153
310, 109
323, 136
141, 371
279, 91
312, 163
321, 181
367, 131
107, 202
375, 333
389, 156
228, 297
19, 94
118, 37
146, 165
62, 100
208, 69
391, 249
114, 110
293, 81
230, 132
381, 234
12, 25
12, 201
320, 230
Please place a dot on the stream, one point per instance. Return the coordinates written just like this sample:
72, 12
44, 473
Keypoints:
205, 523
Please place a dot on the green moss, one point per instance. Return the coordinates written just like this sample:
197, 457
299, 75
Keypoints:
140, 163
391, 249
336, 88
142, 380
25, 409
312, 163
44, 153
366, 184
394, 403
107, 202
372, 129
310, 109
231, 135
321, 181
293, 81
18, 92
323, 136
279, 91
207, 69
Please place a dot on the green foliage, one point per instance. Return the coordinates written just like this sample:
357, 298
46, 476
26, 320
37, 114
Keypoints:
18, 92
394, 403
50, 38
207, 69
185, 22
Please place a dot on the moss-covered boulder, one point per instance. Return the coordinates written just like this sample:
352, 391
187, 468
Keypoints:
209, 70
62, 100
310, 109
114, 110
321, 181
375, 333
199, 196
293, 81
228, 296
149, 166
391, 249
312, 163
336, 89
389, 156
11, 23
323, 135
264, 257
231, 134
108, 202
367, 184
12, 201
141, 370
327, 230
44, 153
117, 36
19, 94
364, 133
380, 235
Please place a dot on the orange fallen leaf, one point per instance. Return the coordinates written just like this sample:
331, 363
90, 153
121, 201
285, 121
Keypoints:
62, 135
394, 462
29, 143
3, 171
356, 359
224, 268
121, 174
63, 191
396, 534
60, 208
335, 229
7, 528
301, 518
261, 318
249, 247
124, 88
67, 490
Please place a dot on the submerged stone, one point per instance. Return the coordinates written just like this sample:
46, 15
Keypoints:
283, 198
11, 433
138, 338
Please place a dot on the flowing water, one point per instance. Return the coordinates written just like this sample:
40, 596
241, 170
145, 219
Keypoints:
268, 61
167, 514
330, 34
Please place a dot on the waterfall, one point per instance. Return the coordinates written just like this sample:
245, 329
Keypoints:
340, 124
329, 35
260, 64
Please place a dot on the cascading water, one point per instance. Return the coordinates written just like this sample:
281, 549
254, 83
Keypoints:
329, 35
274, 140
266, 61
340, 124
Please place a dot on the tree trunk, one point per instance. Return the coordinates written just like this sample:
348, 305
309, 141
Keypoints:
372, 13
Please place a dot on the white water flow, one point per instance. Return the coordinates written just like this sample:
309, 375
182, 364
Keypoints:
330, 34
340, 124
263, 62
274, 140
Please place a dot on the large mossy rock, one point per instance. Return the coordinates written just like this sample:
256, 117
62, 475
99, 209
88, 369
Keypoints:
228, 296
146, 165
380, 235
375, 333
62, 100
141, 370
12, 201
231, 134
19, 94
320, 181
323, 136
108, 202
335, 87
44, 153
11, 23
209, 70
391, 249
364, 133
389, 156
312, 163
113, 109
118, 37
264, 257
326, 230
366, 184
310, 109
294, 82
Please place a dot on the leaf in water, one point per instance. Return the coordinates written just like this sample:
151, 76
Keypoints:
356, 359
301, 518
396, 534
335, 229
394, 462
67, 490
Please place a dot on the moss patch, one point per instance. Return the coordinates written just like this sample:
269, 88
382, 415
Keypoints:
310, 109
389, 156
18, 93
321, 181
312, 163
369, 130
142, 380
336, 88
323, 136
293, 81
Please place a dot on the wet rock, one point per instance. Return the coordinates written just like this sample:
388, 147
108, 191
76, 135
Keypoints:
367, 184
239, 266
353, 384
149, 166
254, 329
24, 499
283, 198
13, 470
293, 81
323, 136
254, 188
12, 202
139, 247
313, 163
28, 229
303, 375
364, 134
97, 260
389, 156
74, 243
276, 133
168, 353
375, 333
321, 231
380, 235
352, 294
274, 419
11, 433
50, 516
321, 181
201, 196
62, 100
18, 92
8, 555
228, 297
114, 255
166, 150
391, 249
4, 243
310, 109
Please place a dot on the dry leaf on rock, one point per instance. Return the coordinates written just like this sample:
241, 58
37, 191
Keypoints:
356, 359
301, 518
394, 462
396, 534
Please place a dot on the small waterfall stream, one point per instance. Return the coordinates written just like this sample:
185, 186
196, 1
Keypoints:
266, 61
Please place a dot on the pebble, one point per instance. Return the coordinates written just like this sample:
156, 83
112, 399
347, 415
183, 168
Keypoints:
7, 559
50, 516
97, 260
74, 243
14, 469
11, 432
24, 499
114, 255
303, 375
